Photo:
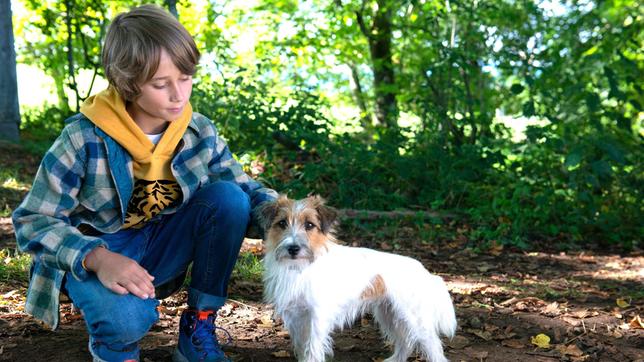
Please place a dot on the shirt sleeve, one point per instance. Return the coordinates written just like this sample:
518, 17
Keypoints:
42, 222
223, 166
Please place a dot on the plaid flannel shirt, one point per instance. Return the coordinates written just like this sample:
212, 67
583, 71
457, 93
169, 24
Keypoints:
86, 179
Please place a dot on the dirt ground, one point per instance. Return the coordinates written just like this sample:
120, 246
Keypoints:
589, 305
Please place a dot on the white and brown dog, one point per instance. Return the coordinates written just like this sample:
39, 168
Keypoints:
318, 286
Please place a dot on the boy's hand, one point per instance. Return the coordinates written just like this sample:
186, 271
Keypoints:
119, 273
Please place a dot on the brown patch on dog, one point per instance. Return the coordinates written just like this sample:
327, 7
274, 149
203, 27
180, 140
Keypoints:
326, 214
273, 213
376, 289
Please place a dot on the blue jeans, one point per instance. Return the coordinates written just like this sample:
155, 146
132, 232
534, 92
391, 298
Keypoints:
208, 231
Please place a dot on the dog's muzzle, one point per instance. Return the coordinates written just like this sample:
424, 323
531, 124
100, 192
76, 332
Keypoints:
293, 248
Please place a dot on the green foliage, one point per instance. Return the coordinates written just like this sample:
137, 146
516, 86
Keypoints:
40, 126
574, 180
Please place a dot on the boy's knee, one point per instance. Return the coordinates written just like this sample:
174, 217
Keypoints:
229, 198
128, 321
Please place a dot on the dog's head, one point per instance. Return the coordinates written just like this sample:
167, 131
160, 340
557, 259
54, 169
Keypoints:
297, 230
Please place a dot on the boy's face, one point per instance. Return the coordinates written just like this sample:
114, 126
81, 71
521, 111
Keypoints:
163, 98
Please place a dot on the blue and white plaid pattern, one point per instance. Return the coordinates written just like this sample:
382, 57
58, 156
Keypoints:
86, 178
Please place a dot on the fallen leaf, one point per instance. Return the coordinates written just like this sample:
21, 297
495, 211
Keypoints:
551, 309
482, 334
541, 340
636, 322
581, 314
570, 350
622, 303
483, 267
480, 355
266, 321
281, 354
514, 343
496, 249
459, 342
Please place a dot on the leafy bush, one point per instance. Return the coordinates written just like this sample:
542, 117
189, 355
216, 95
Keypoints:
40, 126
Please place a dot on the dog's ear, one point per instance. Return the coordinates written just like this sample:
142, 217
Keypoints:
328, 215
265, 214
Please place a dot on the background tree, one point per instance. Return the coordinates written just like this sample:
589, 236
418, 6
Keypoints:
9, 108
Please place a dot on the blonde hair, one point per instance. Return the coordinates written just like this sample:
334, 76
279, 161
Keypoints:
133, 45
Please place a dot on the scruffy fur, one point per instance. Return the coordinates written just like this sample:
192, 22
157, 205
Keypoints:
318, 286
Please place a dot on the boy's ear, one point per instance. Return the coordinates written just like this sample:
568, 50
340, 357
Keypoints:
328, 215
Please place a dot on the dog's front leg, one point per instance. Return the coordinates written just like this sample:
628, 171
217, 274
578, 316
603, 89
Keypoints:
319, 343
297, 321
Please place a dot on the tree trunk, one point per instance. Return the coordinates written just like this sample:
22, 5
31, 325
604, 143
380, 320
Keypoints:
379, 36
9, 106
172, 7
358, 95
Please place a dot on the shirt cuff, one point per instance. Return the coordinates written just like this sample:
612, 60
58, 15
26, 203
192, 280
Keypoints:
78, 271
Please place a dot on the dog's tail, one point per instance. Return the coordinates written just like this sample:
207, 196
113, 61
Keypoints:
443, 308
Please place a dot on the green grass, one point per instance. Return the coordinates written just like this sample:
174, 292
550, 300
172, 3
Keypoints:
18, 165
12, 189
14, 266
249, 267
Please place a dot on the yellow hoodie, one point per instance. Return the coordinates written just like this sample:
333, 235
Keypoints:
155, 188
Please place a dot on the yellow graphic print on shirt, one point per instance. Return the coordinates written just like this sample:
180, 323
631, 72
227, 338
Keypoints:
148, 199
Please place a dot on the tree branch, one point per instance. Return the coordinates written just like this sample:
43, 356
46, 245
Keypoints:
396, 214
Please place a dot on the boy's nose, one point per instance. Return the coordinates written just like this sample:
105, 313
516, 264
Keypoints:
177, 94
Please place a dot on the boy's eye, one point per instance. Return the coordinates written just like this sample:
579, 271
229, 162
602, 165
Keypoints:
309, 225
158, 86
282, 223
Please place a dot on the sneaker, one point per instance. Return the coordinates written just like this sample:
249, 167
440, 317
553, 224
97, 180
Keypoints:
102, 353
197, 338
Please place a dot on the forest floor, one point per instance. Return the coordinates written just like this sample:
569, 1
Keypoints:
589, 304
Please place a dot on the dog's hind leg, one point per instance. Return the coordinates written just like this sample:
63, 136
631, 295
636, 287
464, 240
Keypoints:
432, 348
395, 330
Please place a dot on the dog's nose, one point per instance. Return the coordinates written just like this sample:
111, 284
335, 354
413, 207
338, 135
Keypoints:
293, 249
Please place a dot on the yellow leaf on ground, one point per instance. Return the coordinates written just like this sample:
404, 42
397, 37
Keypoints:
622, 303
541, 340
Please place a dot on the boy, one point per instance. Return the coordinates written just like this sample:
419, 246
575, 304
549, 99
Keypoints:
136, 188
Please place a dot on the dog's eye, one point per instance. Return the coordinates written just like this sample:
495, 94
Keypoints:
309, 225
282, 224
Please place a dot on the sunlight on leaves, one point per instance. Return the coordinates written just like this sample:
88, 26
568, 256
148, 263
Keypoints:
12, 183
540, 340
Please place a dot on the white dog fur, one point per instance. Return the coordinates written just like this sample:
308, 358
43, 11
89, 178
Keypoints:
318, 286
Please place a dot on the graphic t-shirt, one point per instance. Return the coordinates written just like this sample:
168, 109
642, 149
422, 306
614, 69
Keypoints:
155, 187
